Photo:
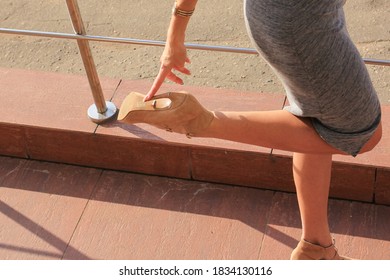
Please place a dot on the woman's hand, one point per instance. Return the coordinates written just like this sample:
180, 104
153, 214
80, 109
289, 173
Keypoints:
174, 57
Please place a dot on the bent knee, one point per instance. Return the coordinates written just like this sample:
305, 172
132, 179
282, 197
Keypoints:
374, 140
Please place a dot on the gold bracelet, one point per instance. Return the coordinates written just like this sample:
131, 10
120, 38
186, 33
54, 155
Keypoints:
181, 13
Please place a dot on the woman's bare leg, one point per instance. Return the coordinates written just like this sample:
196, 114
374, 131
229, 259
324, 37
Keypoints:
277, 129
312, 181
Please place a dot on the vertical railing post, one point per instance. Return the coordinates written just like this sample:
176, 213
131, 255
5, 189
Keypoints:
102, 110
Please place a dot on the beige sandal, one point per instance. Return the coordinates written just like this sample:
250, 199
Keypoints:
173, 111
309, 251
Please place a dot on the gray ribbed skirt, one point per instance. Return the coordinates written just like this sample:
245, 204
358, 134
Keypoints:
307, 45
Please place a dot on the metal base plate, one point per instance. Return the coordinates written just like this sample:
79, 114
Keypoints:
97, 117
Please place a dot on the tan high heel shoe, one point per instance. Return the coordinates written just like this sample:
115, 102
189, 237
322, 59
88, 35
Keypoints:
173, 111
309, 251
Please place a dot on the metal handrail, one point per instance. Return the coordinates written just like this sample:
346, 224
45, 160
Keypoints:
59, 35
103, 110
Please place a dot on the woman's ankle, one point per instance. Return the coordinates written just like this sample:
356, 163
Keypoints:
323, 242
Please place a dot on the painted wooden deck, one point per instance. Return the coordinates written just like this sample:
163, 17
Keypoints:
59, 211
71, 189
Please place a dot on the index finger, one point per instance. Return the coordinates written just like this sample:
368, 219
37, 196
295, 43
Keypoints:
162, 74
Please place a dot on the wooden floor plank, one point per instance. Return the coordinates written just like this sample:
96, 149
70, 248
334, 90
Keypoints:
40, 206
362, 230
143, 217
50, 100
283, 228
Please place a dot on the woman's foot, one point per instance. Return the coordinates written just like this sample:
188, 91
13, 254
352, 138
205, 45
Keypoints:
173, 111
309, 251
